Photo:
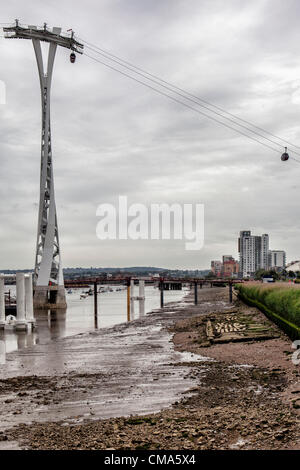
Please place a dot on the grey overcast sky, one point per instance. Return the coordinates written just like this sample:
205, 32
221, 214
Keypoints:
112, 136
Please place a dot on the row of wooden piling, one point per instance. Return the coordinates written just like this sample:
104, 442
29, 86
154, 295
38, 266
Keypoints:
130, 298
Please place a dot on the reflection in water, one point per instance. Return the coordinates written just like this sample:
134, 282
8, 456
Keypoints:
2, 351
11, 340
79, 317
50, 324
22, 339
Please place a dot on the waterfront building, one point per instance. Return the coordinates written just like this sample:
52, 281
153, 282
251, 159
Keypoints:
277, 259
293, 266
216, 268
251, 253
230, 267
255, 254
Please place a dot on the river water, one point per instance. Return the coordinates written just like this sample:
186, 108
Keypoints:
79, 316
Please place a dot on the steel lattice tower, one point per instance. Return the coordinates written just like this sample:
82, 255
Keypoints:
48, 274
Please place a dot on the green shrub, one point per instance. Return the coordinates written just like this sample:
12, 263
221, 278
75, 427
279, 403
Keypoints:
280, 303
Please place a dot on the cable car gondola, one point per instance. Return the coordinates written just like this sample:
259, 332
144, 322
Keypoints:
285, 156
72, 57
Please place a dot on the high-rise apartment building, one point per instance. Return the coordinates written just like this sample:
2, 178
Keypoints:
253, 252
264, 262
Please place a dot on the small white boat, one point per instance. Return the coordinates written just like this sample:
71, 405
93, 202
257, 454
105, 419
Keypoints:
11, 320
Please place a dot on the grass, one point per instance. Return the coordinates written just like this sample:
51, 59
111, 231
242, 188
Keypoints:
280, 301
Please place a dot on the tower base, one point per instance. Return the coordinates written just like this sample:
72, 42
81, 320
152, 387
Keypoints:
49, 297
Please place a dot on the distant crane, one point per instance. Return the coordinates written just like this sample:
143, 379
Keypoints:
48, 274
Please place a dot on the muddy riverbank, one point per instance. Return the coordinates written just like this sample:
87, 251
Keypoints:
155, 383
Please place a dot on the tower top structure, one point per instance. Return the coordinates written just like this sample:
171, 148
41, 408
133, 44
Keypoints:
43, 34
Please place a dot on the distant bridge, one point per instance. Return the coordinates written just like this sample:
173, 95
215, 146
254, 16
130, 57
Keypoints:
125, 279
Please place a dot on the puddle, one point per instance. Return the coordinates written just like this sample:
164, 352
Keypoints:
190, 357
10, 445
241, 366
238, 444
258, 390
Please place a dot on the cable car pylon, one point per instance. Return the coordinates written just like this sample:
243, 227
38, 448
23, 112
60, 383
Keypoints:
48, 274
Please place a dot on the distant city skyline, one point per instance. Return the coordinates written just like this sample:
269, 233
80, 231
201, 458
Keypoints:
263, 252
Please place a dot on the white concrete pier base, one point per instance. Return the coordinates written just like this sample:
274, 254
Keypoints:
21, 323
2, 303
42, 297
132, 299
29, 300
140, 298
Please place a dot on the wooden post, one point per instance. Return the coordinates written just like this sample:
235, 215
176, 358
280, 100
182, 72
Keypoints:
161, 284
2, 302
196, 292
95, 305
230, 292
128, 299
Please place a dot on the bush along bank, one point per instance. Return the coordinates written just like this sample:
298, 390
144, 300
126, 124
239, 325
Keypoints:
279, 304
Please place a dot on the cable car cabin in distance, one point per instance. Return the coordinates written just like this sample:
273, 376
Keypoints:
72, 57
285, 156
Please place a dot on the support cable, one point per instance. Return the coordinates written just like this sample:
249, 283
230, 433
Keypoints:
184, 104
188, 96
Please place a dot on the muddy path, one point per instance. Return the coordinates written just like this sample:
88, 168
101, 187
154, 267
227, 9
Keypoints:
148, 384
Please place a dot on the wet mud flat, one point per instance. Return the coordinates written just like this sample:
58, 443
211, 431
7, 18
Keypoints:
156, 383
